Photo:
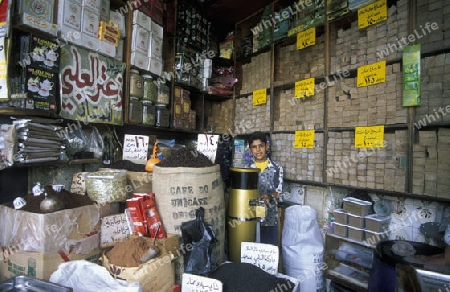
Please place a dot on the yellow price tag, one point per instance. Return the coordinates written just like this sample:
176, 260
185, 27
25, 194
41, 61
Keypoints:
260, 96
371, 74
304, 88
306, 38
372, 14
304, 139
369, 137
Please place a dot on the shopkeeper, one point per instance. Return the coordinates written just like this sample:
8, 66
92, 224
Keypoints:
270, 185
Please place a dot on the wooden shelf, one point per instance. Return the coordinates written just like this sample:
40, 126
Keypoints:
58, 162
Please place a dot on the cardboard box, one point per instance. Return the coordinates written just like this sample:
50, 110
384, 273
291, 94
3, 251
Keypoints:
70, 14
43, 9
140, 39
155, 49
155, 66
106, 48
34, 22
52, 232
142, 19
41, 265
89, 22
139, 60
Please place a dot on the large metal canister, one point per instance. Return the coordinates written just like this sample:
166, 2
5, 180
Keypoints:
241, 213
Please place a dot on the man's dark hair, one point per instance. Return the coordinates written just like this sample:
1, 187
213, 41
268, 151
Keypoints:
257, 136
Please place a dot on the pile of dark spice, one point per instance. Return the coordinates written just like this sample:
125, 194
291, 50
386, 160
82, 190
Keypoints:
128, 165
70, 200
186, 157
247, 277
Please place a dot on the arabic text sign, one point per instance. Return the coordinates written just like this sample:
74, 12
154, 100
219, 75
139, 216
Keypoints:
369, 137
304, 139
91, 86
304, 88
372, 14
195, 283
135, 148
259, 96
306, 38
114, 229
207, 144
371, 74
264, 256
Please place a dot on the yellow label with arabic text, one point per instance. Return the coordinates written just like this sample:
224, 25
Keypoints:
304, 139
304, 88
372, 14
306, 38
369, 137
260, 96
371, 74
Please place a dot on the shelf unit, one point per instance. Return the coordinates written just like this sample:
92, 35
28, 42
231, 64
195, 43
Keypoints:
282, 79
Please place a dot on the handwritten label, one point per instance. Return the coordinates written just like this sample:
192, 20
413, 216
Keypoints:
306, 38
264, 256
371, 74
114, 229
135, 148
304, 139
372, 14
304, 88
195, 283
369, 137
207, 144
260, 96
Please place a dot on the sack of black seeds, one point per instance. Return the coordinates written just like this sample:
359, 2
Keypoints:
198, 259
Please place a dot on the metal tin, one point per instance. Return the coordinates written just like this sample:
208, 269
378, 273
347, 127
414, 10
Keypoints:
150, 89
136, 84
135, 110
162, 117
148, 113
25, 283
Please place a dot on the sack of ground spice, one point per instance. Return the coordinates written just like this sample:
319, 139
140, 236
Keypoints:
123, 261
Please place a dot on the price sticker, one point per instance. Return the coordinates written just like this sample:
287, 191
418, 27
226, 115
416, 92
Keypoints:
372, 14
304, 88
306, 38
371, 74
260, 96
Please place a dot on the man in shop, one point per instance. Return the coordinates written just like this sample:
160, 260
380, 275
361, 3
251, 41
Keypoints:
270, 185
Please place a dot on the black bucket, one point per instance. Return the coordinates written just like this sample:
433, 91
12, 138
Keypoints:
383, 273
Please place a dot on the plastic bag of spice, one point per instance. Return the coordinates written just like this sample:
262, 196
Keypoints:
198, 260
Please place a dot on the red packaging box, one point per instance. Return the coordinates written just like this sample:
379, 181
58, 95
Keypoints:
136, 213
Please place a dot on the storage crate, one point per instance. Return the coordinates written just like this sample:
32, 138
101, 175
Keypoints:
357, 207
355, 233
355, 221
340, 229
377, 223
340, 216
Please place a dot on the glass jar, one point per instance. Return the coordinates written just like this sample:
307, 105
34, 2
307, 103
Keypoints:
163, 95
136, 84
135, 110
162, 117
148, 113
150, 89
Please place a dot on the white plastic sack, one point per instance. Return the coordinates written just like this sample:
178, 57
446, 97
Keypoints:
84, 276
302, 248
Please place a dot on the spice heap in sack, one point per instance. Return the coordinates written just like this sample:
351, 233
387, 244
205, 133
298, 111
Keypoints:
186, 157
129, 253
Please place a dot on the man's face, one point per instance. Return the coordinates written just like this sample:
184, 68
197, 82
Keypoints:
258, 149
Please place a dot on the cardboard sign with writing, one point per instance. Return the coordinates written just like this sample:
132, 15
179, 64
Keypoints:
260, 96
207, 145
304, 139
306, 38
304, 88
195, 283
114, 229
264, 256
135, 148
